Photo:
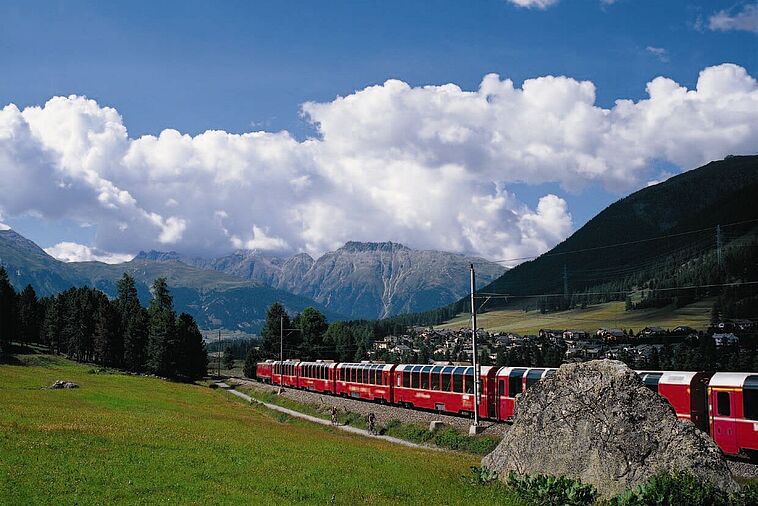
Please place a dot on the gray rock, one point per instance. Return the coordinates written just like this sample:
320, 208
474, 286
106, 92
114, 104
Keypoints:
60, 384
598, 423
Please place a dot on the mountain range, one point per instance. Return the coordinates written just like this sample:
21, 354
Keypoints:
362, 280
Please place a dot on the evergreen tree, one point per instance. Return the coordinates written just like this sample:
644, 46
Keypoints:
312, 325
251, 361
134, 324
52, 325
193, 356
29, 316
228, 358
108, 340
8, 312
161, 331
270, 330
340, 341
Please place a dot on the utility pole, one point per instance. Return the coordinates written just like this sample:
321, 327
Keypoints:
474, 361
218, 355
281, 351
718, 244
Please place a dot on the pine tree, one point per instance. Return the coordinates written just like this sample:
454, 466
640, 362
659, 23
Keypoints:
52, 325
134, 324
309, 340
193, 356
161, 331
108, 340
270, 330
29, 316
251, 361
8, 311
228, 358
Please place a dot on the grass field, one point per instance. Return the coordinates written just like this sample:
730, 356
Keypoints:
136, 440
609, 315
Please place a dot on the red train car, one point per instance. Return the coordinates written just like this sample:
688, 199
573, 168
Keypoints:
263, 371
511, 381
686, 392
366, 381
285, 373
318, 376
733, 412
444, 388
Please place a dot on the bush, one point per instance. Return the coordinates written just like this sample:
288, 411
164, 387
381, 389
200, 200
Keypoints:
675, 488
552, 490
482, 476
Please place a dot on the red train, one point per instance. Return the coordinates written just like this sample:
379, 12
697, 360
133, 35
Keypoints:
725, 405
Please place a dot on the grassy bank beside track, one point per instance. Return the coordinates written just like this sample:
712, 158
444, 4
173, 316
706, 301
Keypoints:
447, 437
137, 440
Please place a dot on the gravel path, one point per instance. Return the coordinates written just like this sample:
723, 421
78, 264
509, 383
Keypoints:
383, 412
743, 469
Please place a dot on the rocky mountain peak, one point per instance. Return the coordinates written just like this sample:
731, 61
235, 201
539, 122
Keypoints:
356, 246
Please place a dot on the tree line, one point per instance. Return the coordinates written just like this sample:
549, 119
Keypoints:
87, 326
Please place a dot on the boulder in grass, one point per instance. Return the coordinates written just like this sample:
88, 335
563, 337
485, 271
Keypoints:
597, 422
60, 384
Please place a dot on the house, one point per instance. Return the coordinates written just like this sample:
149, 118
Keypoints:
550, 334
612, 335
725, 339
683, 330
576, 334
652, 332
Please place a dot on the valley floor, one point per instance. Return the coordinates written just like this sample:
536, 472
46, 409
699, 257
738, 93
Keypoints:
608, 315
138, 440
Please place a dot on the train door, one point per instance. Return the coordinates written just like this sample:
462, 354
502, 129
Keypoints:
724, 423
500, 397
699, 400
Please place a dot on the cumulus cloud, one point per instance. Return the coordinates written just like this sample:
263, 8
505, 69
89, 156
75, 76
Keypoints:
3, 226
745, 19
427, 166
74, 252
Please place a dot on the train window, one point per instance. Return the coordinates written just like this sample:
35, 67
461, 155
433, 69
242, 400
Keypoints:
458, 383
723, 404
365, 374
533, 376
750, 398
501, 387
372, 376
435, 379
425, 378
406, 378
515, 386
446, 379
469, 380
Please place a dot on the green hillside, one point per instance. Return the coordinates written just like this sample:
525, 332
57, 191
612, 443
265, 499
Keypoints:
658, 243
611, 314
123, 439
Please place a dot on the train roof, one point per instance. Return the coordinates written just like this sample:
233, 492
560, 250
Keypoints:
365, 365
485, 369
731, 379
506, 371
330, 364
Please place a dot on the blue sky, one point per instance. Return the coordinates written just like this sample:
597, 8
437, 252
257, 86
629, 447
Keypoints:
245, 66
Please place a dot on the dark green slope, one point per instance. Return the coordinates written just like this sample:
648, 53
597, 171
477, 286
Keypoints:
215, 299
648, 227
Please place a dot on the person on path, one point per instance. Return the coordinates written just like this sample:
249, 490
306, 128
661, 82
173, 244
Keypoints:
334, 415
372, 424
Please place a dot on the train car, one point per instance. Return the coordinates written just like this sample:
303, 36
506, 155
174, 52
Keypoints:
444, 388
733, 412
263, 371
511, 381
318, 376
366, 381
285, 373
686, 392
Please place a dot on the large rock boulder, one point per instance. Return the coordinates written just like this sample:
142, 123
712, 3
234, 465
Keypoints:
598, 423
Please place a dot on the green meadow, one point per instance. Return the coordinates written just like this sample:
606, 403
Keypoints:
138, 440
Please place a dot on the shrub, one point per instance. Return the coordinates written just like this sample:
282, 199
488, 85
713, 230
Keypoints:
482, 476
673, 488
551, 490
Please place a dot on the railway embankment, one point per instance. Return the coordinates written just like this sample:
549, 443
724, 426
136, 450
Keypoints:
384, 413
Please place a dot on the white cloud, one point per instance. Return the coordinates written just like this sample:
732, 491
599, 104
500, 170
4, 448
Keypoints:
427, 166
3, 226
745, 19
659, 53
534, 4
73, 252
